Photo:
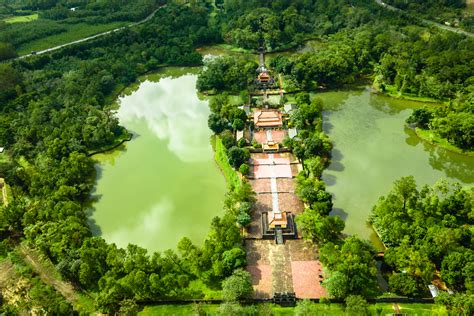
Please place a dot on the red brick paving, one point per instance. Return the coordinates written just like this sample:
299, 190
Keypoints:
265, 171
306, 279
261, 280
260, 185
289, 202
279, 135
295, 264
285, 184
260, 137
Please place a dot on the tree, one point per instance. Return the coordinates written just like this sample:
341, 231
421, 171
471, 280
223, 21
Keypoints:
337, 285
456, 269
405, 187
238, 286
228, 139
356, 305
237, 156
216, 123
352, 268
244, 169
315, 166
420, 118
238, 125
233, 259
128, 307
7, 51
244, 219
404, 284
10, 79
319, 228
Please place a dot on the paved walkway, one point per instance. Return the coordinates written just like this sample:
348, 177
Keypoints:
282, 274
292, 266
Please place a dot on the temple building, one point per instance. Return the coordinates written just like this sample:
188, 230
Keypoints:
264, 80
267, 118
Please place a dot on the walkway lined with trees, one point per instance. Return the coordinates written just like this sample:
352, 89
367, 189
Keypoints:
276, 253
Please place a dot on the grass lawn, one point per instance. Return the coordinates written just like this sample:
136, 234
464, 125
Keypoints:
420, 309
392, 91
318, 309
21, 19
436, 140
75, 32
232, 177
209, 294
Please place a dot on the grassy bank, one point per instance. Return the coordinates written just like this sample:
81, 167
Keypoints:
220, 155
318, 309
390, 90
436, 140
74, 32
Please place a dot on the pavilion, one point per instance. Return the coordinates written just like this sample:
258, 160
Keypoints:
267, 118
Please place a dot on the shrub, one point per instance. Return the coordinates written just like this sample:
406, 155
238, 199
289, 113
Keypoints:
244, 169
238, 286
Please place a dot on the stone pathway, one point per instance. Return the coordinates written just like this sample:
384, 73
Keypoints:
280, 261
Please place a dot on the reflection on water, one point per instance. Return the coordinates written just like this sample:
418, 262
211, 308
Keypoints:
372, 148
164, 184
148, 223
179, 125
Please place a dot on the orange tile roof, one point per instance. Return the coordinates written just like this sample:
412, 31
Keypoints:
267, 118
279, 219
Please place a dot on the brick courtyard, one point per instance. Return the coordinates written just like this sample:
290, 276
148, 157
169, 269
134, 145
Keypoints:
290, 267
277, 136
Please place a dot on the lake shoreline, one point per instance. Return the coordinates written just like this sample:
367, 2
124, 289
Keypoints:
421, 135
165, 185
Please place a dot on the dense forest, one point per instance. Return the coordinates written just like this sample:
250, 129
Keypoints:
403, 60
57, 108
428, 234
451, 12
54, 111
56, 17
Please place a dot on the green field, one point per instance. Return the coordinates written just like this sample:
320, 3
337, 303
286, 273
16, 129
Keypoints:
318, 309
75, 32
21, 19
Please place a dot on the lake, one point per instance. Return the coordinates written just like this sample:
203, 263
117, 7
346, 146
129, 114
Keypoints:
164, 184
373, 148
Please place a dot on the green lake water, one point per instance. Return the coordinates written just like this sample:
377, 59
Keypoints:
164, 184
372, 148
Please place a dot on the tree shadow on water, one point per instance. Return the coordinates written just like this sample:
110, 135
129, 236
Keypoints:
336, 155
452, 165
90, 210
339, 212
329, 179
412, 139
